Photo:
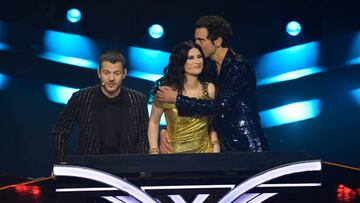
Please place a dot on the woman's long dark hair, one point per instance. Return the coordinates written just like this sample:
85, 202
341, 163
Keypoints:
174, 72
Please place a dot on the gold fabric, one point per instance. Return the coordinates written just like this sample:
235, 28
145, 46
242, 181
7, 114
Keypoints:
187, 134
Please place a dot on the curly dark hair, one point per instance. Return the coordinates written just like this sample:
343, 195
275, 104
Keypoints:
217, 26
174, 72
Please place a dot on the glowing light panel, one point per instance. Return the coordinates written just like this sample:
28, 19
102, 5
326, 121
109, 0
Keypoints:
270, 174
4, 81
70, 49
69, 60
181, 187
290, 76
148, 60
3, 36
4, 47
291, 113
246, 197
356, 95
144, 75
103, 177
300, 60
262, 197
354, 51
59, 94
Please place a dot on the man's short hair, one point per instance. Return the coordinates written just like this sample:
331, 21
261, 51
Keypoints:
217, 27
112, 56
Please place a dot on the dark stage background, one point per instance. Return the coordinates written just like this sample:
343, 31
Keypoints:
330, 37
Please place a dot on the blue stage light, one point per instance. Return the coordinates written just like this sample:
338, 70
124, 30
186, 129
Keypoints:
4, 47
59, 94
3, 37
144, 75
354, 51
148, 60
356, 95
156, 31
84, 63
293, 28
4, 81
291, 113
292, 75
73, 15
59, 47
288, 64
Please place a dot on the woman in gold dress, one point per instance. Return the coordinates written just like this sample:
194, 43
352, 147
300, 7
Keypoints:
187, 134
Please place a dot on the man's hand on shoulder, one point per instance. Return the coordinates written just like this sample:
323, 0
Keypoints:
167, 94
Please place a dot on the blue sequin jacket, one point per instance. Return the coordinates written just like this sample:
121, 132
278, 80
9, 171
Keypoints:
235, 108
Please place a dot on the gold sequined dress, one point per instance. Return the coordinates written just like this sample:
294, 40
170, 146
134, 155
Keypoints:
187, 134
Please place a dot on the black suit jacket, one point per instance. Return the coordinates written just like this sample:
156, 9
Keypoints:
82, 109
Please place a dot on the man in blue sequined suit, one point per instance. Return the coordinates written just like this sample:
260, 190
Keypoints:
235, 108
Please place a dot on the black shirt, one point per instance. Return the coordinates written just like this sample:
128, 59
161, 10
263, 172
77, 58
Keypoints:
114, 124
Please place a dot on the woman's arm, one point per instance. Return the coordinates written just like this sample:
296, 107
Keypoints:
215, 141
153, 129
213, 135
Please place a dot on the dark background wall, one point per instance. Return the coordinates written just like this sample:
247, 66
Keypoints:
27, 115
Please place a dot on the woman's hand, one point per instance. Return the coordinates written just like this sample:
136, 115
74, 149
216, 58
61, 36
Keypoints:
165, 147
216, 146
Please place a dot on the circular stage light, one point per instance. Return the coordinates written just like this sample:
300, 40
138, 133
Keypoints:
73, 15
293, 28
156, 31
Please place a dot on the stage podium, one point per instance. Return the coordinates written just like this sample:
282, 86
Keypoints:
223, 177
